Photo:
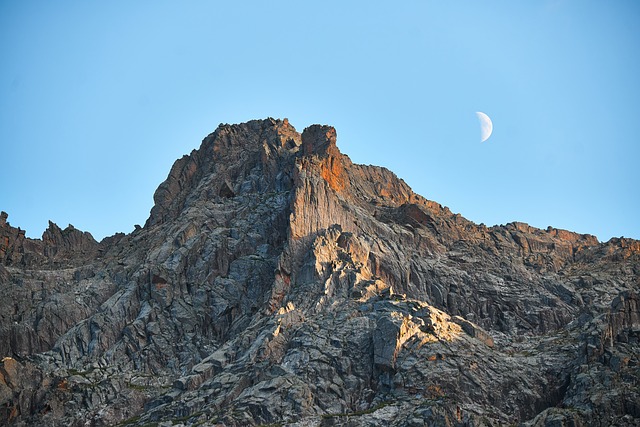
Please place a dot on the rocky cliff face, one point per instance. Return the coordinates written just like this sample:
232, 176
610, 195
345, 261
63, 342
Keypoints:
276, 282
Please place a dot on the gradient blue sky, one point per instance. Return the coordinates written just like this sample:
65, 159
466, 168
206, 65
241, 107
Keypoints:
98, 99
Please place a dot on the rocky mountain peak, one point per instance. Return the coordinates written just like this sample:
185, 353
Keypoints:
320, 141
277, 282
56, 247
56, 240
224, 160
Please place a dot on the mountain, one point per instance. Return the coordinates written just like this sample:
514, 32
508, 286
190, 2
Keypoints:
277, 283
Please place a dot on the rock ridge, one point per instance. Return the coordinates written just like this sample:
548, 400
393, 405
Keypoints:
276, 282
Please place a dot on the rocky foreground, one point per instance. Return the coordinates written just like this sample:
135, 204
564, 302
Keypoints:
277, 283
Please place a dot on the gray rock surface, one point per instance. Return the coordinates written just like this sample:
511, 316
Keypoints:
277, 283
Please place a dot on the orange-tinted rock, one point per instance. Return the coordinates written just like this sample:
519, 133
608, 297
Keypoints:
277, 282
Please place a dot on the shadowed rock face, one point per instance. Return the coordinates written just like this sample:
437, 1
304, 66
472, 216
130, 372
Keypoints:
277, 282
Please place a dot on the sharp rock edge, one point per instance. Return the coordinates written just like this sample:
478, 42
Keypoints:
276, 282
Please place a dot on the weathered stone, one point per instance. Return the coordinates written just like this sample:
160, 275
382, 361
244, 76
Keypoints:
474, 330
277, 282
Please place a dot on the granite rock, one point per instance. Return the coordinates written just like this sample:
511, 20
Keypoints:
276, 282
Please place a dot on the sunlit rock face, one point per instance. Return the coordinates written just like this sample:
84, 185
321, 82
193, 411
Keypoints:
276, 282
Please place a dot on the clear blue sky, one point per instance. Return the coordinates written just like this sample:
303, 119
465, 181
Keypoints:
98, 99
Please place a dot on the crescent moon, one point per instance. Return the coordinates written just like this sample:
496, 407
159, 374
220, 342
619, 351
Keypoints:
486, 127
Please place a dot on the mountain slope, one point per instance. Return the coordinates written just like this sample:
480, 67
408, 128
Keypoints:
277, 282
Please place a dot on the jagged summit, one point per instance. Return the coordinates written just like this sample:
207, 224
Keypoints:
277, 282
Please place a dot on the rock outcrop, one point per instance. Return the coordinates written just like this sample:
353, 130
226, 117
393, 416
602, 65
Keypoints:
276, 282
